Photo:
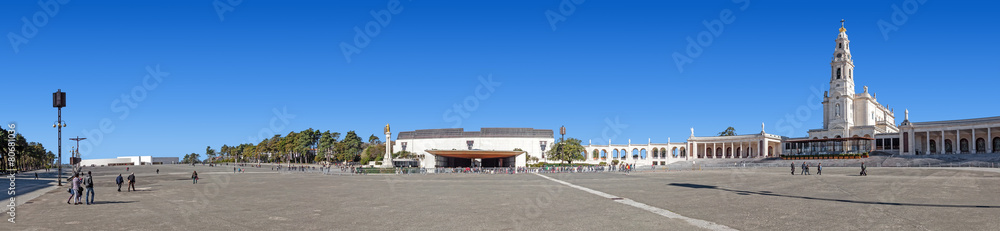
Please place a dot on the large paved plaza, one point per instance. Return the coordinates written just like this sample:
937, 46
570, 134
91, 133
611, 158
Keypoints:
742, 199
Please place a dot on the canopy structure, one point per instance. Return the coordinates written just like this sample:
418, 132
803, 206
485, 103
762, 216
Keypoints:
849, 145
475, 154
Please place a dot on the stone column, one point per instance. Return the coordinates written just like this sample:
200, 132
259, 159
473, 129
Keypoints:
972, 143
989, 140
956, 147
387, 159
941, 150
928, 143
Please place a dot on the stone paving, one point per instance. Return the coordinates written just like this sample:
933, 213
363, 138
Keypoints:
755, 199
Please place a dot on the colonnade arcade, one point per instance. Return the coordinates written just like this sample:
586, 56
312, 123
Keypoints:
956, 141
743, 146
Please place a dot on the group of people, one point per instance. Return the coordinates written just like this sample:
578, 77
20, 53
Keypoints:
805, 169
77, 184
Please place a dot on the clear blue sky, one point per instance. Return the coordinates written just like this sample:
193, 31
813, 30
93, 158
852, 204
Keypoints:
608, 60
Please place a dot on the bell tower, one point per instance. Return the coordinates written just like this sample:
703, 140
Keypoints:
840, 106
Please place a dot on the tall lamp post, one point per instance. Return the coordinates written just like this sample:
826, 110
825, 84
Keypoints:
59, 101
562, 133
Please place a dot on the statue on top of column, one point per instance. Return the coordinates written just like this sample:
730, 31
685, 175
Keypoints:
386, 128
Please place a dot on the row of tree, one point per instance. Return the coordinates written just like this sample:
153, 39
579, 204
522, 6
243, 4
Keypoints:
27, 156
307, 146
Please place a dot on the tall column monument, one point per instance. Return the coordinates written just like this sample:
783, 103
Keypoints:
387, 159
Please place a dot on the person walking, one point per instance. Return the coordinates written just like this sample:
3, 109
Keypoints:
793, 168
803, 169
194, 177
157, 171
119, 181
79, 189
72, 188
131, 182
89, 183
819, 169
864, 171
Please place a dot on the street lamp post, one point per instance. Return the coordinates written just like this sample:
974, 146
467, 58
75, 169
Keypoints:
59, 101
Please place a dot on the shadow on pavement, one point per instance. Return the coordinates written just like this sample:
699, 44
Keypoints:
113, 202
767, 193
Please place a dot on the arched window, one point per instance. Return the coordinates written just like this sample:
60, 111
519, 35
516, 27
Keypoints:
963, 146
604, 153
642, 154
980, 145
948, 147
933, 147
614, 154
996, 144
838, 73
850, 73
840, 45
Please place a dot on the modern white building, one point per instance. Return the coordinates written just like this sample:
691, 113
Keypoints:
488, 147
130, 160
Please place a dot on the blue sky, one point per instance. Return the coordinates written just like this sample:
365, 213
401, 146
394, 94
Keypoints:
221, 78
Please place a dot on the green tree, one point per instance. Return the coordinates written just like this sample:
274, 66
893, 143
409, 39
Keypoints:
730, 131
327, 140
568, 150
350, 148
209, 152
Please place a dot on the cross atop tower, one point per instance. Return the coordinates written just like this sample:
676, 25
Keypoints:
842, 29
